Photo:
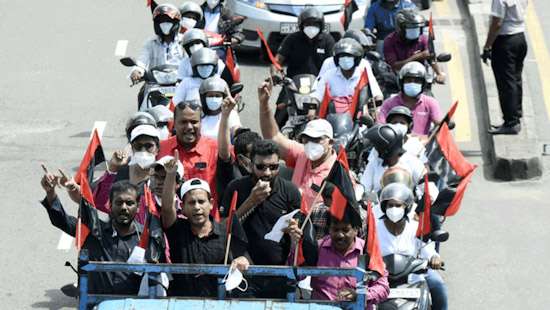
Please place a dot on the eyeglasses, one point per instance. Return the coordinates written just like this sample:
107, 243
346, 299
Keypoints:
264, 167
192, 104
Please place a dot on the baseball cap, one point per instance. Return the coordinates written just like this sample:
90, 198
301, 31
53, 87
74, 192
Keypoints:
192, 184
162, 161
144, 130
318, 128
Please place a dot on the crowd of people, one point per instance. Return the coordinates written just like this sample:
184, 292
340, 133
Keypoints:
194, 158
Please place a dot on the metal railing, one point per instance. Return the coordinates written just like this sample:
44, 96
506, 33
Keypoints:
293, 275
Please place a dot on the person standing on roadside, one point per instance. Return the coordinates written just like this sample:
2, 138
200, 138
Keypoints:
506, 47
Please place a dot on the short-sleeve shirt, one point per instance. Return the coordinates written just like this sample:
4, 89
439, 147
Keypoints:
329, 64
425, 112
512, 13
397, 49
284, 198
210, 124
305, 56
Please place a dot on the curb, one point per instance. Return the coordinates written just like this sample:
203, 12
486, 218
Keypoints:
511, 157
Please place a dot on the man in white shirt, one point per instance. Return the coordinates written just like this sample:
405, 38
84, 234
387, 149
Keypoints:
204, 63
506, 47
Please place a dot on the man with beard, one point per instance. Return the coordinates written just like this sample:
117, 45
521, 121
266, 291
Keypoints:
113, 240
263, 197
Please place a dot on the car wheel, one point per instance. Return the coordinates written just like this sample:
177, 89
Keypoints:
426, 4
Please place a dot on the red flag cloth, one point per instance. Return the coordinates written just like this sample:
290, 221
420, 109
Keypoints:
376, 263
431, 27
232, 66
339, 204
323, 108
304, 207
349, 8
232, 210
300, 257
363, 81
342, 157
343, 193
424, 225
269, 53
453, 171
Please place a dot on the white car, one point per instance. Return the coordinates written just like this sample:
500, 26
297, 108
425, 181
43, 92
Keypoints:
277, 18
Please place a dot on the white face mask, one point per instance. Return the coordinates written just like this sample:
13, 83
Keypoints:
346, 62
311, 31
195, 47
314, 151
395, 214
400, 128
164, 133
166, 27
143, 159
212, 3
205, 71
233, 279
214, 103
412, 33
187, 22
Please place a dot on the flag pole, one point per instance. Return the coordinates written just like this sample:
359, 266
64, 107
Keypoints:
227, 249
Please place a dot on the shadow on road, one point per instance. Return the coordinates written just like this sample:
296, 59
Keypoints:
55, 300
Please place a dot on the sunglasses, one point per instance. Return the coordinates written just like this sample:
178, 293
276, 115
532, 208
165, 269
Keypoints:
192, 104
263, 167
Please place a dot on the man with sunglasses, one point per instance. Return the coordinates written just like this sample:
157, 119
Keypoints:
263, 197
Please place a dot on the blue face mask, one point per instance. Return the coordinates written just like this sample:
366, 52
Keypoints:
412, 89
412, 33
205, 71
346, 62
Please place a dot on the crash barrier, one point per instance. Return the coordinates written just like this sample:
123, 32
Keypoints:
293, 274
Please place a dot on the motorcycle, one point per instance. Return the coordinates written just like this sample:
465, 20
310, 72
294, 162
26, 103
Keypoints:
159, 84
404, 295
386, 78
430, 73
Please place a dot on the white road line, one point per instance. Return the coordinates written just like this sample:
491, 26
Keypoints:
120, 49
65, 241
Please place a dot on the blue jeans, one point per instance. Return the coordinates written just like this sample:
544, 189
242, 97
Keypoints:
438, 290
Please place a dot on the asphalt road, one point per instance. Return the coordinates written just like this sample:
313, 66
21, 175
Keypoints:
61, 75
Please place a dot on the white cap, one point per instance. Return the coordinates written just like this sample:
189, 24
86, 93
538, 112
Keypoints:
162, 161
192, 184
318, 128
144, 130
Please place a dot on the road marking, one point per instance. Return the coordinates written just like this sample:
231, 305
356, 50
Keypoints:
540, 51
66, 241
120, 49
456, 76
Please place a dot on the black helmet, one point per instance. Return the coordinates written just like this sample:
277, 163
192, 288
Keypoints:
400, 110
386, 141
139, 118
311, 14
360, 37
371, 38
399, 192
409, 18
204, 57
193, 36
348, 46
166, 13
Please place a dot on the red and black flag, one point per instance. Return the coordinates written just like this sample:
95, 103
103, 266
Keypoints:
153, 216
232, 66
237, 242
349, 8
424, 223
453, 172
268, 49
88, 221
343, 195
431, 35
323, 108
361, 84
372, 247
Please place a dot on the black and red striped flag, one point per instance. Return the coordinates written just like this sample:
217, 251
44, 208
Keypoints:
349, 8
362, 83
424, 223
372, 246
431, 35
343, 194
88, 221
232, 66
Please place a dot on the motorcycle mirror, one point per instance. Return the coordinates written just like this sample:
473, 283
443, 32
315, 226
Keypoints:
128, 62
444, 57
236, 88
439, 235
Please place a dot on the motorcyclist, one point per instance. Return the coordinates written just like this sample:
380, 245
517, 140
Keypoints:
191, 15
397, 235
425, 109
365, 41
192, 41
381, 17
343, 79
217, 17
164, 119
402, 120
212, 93
204, 64
407, 43
164, 48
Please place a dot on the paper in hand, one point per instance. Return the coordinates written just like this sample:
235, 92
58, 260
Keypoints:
276, 234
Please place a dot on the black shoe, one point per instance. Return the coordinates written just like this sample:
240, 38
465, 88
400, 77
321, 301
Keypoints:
506, 130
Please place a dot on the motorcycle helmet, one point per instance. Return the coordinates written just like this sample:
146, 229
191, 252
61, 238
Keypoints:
204, 63
412, 69
212, 84
193, 39
312, 16
166, 19
191, 14
348, 47
409, 24
399, 192
400, 110
397, 175
139, 118
343, 128
371, 39
360, 37
386, 141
